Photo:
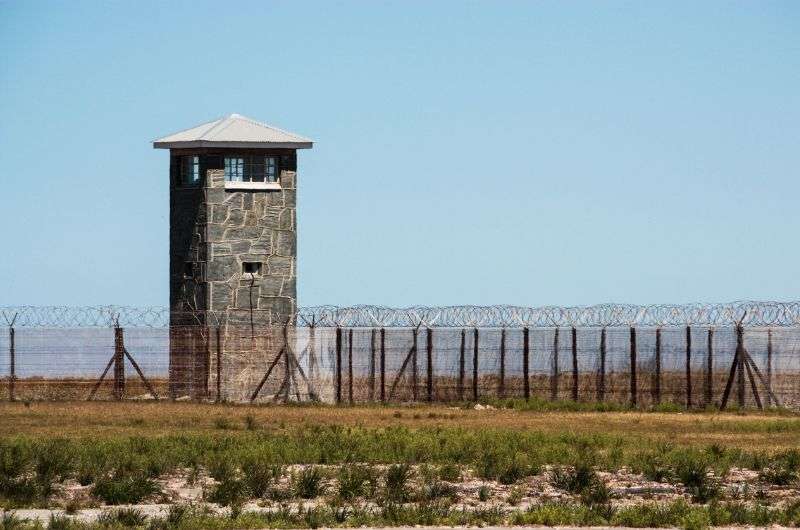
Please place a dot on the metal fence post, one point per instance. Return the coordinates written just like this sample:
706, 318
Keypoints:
338, 365
574, 364
414, 378
350, 365
768, 397
601, 375
429, 373
502, 387
688, 367
383, 365
219, 363
119, 362
709, 393
633, 367
12, 360
526, 381
741, 396
372, 365
657, 371
461, 363
475, 367
555, 369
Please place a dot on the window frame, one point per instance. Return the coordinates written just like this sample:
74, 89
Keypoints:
189, 171
247, 169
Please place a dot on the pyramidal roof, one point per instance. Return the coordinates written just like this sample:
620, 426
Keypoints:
233, 130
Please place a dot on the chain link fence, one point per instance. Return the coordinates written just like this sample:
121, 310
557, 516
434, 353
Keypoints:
743, 354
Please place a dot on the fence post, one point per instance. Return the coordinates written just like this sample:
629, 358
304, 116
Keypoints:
688, 367
601, 376
768, 397
633, 367
119, 362
526, 383
350, 365
657, 374
502, 388
372, 365
338, 365
461, 367
574, 364
219, 363
740, 362
383, 365
475, 367
429, 351
12, 359
555, 368
709, 393
414, 380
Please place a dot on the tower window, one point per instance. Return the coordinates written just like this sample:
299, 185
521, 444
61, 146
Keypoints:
251, 168
251, 267
190, 171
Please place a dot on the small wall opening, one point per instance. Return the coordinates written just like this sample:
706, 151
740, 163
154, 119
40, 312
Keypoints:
251, 267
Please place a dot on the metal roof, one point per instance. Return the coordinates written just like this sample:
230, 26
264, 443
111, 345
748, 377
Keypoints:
233, 130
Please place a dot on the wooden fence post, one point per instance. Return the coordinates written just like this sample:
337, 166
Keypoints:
502, 389
429, 372
709, 393
526, 381
768, 397
633, 367
350, 365
555, 368
688, 367
338, 365
383, 365
601, 376
657, 371
461, 363
119, 363
741, 396
475, 367
574, 364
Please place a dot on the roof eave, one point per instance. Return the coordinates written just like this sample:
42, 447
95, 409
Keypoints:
243, 145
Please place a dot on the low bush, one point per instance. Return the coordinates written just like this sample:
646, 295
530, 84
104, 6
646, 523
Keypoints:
125, 517
124, 488
694, 473
397, 477
307, 484
355, 481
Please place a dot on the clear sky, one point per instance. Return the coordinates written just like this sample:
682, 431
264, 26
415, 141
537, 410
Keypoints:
466, 152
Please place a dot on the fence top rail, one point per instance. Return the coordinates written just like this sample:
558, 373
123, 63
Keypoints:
749, 313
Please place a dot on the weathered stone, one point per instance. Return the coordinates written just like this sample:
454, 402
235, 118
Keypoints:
250, 219
272, 286
215, 196
219, 213
262, 246
288, 180
277, 304
247, 232
220, 249
286, 219
275, 198
235, 218
289, 288
240, 247
222, 268
280, 266
289, 198
234, 199
243, 297
216, 233
248, 201
221, 293
285, 243
272, 215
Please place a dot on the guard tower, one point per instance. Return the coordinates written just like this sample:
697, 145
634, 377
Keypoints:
233, 236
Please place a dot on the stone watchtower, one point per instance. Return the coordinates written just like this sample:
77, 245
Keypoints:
233, 234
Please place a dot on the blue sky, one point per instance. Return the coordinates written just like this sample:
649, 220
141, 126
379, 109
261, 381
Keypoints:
466, 152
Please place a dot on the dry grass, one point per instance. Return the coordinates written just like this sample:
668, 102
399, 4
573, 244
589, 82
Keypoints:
751, 431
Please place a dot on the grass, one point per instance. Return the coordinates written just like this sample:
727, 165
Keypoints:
658, 515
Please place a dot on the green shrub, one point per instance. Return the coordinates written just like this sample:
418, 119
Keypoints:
450, 472
355, 481
124, 488
125, 517
229, 492
484, 493
307, 484
258, 476
397, 477
693, 471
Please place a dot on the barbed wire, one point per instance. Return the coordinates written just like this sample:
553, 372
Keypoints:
754, 314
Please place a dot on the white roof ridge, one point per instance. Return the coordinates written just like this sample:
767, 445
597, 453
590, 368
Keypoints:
262, 124
225, 120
